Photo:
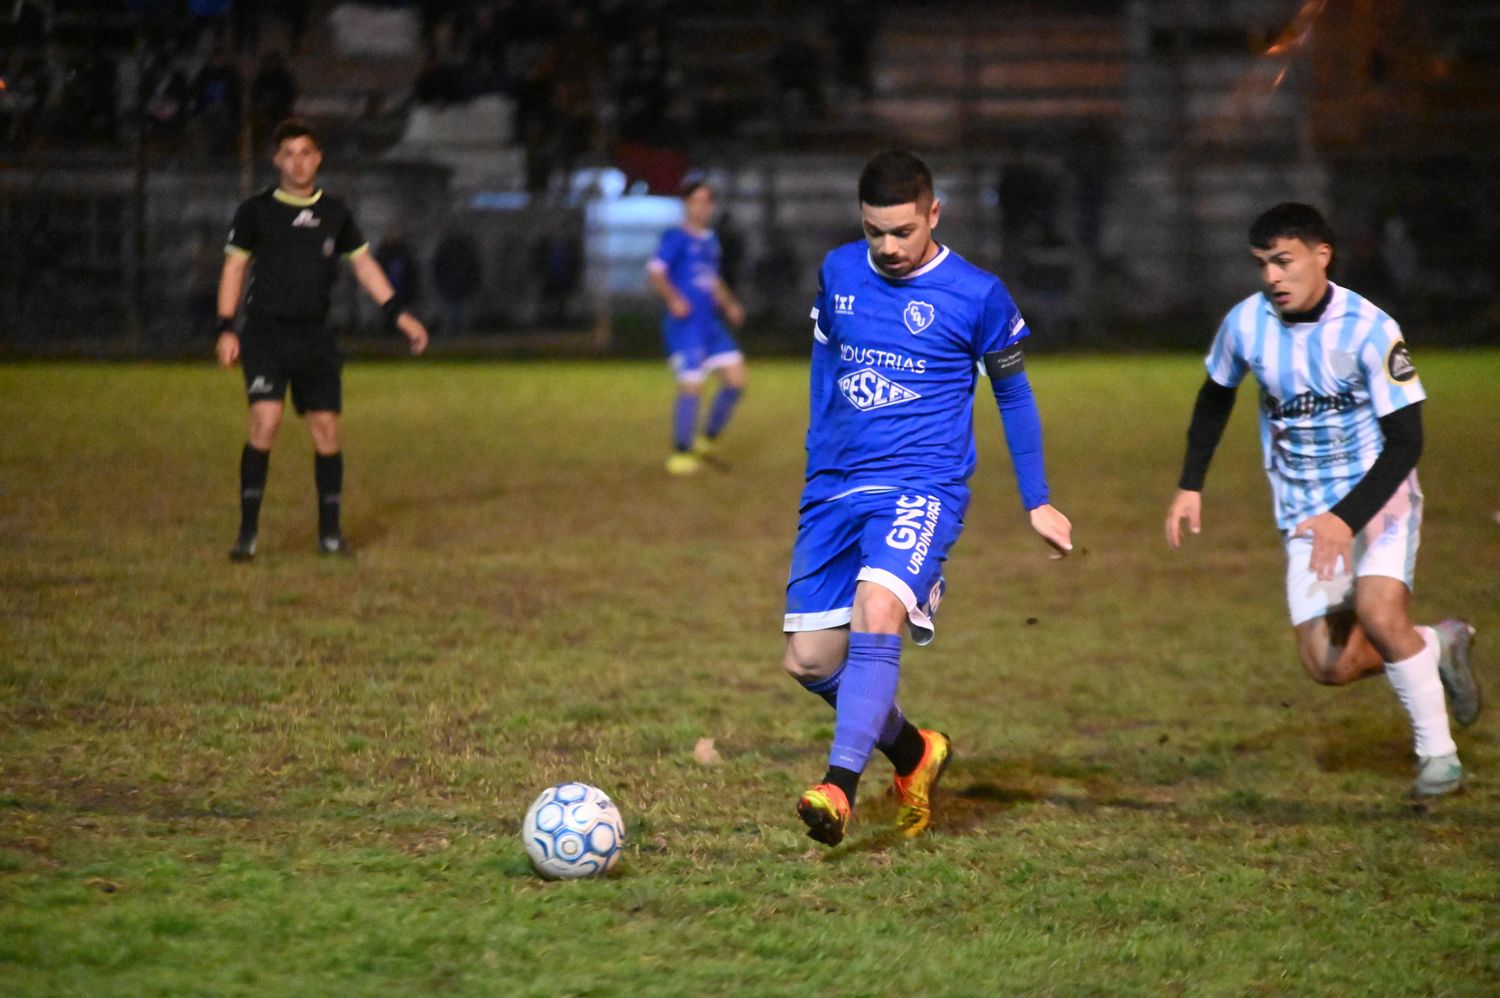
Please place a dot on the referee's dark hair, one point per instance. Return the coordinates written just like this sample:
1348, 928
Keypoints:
895, 177
1291, 220
292, 128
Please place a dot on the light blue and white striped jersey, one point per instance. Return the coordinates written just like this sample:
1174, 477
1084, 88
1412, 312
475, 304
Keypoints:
1323, 387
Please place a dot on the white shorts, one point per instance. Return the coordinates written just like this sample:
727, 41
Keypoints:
1387, 546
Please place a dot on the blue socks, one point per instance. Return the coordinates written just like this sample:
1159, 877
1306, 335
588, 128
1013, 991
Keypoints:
828, 689
866, 695
684, 422
719, 413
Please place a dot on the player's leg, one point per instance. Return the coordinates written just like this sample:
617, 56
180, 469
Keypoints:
685, 354
265, 388
317, 393
902, 542
725, 360
1334, 650
1411, 656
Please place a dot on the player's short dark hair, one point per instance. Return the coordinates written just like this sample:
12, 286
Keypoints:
691, 181
293, 128
895, 177
1291, 220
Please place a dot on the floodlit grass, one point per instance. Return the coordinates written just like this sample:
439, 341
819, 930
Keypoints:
306, 777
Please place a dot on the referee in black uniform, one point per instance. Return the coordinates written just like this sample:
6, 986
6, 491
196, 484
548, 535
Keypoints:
294, 233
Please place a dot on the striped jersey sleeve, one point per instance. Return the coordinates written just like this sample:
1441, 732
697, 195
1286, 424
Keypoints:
1389, 373
1226, 362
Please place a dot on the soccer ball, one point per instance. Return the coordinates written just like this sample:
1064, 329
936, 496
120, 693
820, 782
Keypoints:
573, 830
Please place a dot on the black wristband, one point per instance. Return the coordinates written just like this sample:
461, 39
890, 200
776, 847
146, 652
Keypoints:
226, 323
392, 310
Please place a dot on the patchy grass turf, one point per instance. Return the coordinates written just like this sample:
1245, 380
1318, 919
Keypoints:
304, 776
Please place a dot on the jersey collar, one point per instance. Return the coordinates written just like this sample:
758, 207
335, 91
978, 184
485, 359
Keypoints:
926, 268
294, 200
1338, 306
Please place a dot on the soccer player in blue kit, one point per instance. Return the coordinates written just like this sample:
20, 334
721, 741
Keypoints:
902, 327
1341, 431
685, 273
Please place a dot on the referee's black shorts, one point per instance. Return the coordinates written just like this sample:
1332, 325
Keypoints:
277, 355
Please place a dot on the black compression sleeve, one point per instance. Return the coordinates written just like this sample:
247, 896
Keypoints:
1403, 445
1210, 416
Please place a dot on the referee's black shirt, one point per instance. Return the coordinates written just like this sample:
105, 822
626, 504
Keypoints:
296, 243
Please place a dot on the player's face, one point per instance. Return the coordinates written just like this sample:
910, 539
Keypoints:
900, 235
1294, 274
298, 160
698, 208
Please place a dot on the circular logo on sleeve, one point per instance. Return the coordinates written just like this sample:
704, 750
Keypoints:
1398, 365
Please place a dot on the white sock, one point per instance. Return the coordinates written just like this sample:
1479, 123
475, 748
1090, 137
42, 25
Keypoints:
1420, 691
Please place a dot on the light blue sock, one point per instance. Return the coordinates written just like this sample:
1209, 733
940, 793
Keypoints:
721, 410
866, 694
684, 421
828, 689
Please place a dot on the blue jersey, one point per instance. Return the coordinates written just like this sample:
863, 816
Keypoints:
1323, 387
894, 366
691, 263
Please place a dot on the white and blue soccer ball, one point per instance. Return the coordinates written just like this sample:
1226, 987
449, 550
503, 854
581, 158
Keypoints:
573, 830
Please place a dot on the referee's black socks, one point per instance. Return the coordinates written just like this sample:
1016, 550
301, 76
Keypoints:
254, 465
328, 473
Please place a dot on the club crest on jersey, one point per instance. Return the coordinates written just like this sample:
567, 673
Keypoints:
918, 315
867, 389
305, 220
1398, 364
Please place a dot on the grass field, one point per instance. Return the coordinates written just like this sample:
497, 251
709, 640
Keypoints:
306, 777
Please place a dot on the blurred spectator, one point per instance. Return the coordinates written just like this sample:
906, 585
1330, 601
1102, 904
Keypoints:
87, 108
456, 273
558, 265
395, 256
273, 94
217, 105
853, 26
168, 97
796, 70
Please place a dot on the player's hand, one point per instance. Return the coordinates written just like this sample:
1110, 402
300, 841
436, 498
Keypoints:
227, 349
734, 314
1331, 540
679, 307
1188, 506
411, 327
1055, 528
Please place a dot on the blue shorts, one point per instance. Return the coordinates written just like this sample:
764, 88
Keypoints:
897, 540
696, 346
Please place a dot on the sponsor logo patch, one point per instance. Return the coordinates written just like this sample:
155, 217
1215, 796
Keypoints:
918, 315
260, 385
868, 389
1398, 364
306, 220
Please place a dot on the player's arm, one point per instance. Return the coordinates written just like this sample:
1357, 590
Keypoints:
231, 285
372, 278
1210, 416
729, 303
1023, 438
656, 274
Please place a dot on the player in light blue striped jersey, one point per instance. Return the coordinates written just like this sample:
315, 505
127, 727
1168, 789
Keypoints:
1341, 431
902, 328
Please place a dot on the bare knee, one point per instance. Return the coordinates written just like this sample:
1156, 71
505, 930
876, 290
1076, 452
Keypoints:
323, 427
689, 389
265, 420
814, 655
1320, 657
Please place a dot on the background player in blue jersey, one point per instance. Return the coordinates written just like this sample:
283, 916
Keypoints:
1341, 431
685, 272
902, 327
287, 241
